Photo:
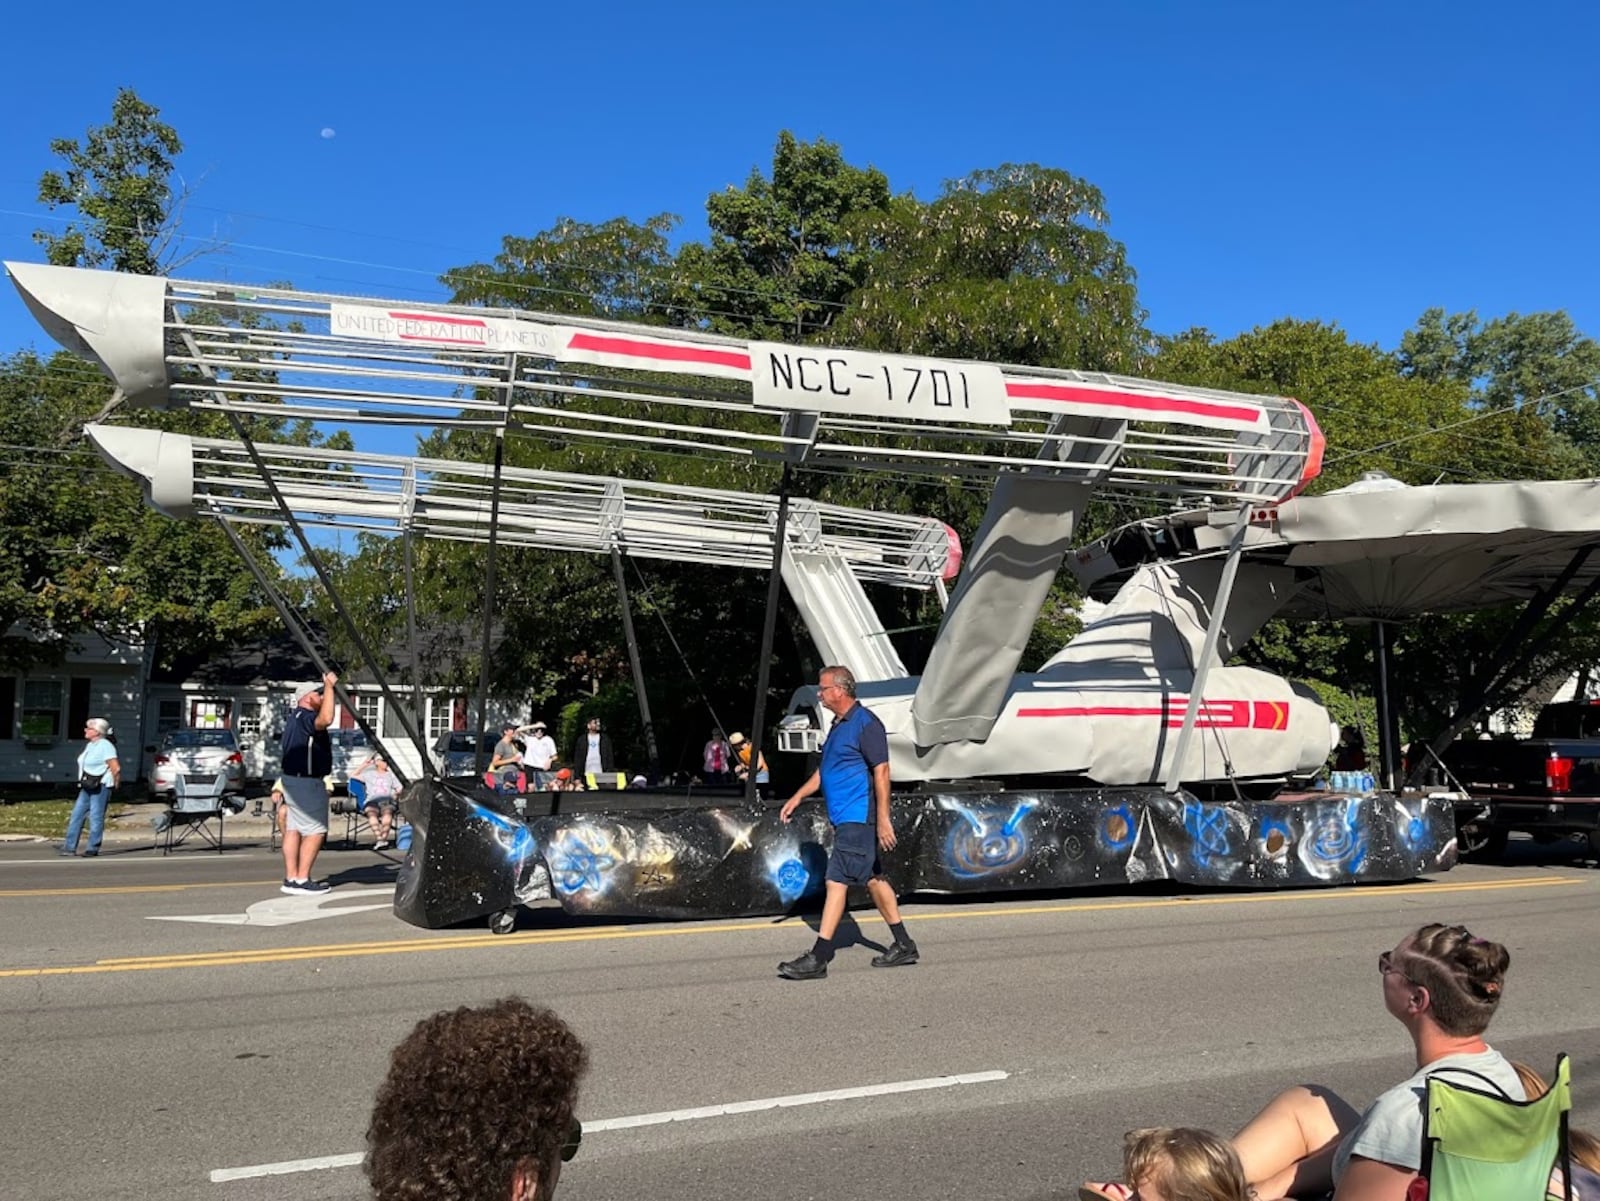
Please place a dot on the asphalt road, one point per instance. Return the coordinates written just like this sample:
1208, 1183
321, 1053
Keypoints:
138, 1057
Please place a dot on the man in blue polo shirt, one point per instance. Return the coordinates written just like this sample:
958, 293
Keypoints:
854, 779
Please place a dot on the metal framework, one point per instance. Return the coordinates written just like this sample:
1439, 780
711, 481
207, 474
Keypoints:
349, 360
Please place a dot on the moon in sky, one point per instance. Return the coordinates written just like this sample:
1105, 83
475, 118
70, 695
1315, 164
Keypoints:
328, 132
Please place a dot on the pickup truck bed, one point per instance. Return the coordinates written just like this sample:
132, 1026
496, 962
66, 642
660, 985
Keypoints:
1547, 787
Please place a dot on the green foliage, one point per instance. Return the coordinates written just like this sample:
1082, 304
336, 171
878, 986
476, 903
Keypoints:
1348, 711
1011, 265
615, 269
781, 263
80, 551
120, 182
1528, 365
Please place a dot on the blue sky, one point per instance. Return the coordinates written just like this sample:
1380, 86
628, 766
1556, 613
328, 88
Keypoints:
1356, 163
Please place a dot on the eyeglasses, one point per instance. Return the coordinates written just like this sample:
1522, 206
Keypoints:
1386, 967
574, 1141
821, 688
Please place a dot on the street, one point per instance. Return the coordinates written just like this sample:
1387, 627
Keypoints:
174, 1028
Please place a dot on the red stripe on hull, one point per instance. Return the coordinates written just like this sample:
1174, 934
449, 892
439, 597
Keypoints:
629, 348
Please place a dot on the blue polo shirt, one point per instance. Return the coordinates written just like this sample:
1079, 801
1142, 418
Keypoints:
855, 744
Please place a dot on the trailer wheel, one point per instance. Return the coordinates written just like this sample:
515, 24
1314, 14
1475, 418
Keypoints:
503, 921
1482, 843
1594, 844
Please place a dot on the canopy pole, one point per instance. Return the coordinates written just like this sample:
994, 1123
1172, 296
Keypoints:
488, 571
1388, 717
297, 629
638, 668
1208, 652
769, 629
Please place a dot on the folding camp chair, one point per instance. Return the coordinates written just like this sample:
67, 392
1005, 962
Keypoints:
196, 803
1479, 1145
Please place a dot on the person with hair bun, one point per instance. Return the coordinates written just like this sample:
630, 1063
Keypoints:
1443, 985
480, 1104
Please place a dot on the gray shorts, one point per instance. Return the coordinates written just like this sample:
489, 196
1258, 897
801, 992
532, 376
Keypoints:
307, 798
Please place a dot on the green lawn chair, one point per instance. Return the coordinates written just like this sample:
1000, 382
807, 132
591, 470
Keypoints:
1479, 1145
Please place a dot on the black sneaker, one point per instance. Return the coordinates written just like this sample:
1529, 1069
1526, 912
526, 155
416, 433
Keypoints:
314, 887
290, 887
899, 954
807, 967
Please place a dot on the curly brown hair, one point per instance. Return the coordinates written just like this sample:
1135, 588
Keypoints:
1465, 976
471, 1094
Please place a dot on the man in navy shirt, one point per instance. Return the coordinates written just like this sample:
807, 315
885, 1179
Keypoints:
307, 760
854, 779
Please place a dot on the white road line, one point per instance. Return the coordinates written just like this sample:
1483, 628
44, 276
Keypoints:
325, 1162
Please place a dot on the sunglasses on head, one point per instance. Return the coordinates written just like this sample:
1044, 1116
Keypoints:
574, 1141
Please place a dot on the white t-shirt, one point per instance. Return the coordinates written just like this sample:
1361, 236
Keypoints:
1390, 1131
591, 763
540, 752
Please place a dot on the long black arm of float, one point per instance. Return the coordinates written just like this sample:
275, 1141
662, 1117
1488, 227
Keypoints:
362, 648
1498, 671
411, 624
634, 662
302, 635
769, 627
488, 592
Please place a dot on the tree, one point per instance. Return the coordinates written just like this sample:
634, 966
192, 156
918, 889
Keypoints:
79, 550
1516, 363
120, 182
780, 263
1011, 265
616, 269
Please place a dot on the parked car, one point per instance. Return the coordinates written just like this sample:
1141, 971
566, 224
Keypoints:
199, 756
454, 753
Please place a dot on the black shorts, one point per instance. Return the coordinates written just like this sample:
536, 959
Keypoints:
855, 854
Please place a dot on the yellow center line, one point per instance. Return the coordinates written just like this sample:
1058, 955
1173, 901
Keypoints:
109, 889
463, 942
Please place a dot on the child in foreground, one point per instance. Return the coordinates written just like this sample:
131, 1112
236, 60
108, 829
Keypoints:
1174, 1164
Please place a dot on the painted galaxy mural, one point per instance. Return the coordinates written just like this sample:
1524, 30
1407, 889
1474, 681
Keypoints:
469, 858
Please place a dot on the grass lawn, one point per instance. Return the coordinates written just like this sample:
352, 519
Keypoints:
46, 817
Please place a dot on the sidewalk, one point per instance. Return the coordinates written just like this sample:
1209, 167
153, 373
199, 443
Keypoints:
137, 825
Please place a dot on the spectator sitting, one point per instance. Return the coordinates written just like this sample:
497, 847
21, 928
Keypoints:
1174, 1164
479, 1105
1443, 985
505, 768
380, 799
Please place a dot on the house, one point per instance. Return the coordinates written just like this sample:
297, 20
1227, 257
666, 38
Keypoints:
250, 688
43, 708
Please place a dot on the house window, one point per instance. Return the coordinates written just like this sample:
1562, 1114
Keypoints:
8, 707
41, 710
248, 729
169, 716
441, 718
368, 707
210, 714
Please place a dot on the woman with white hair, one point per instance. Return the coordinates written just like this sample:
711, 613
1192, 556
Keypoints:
98, 773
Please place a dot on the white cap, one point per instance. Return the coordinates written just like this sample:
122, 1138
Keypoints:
305, 690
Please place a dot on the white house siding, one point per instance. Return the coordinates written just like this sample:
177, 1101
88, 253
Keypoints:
113, 675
